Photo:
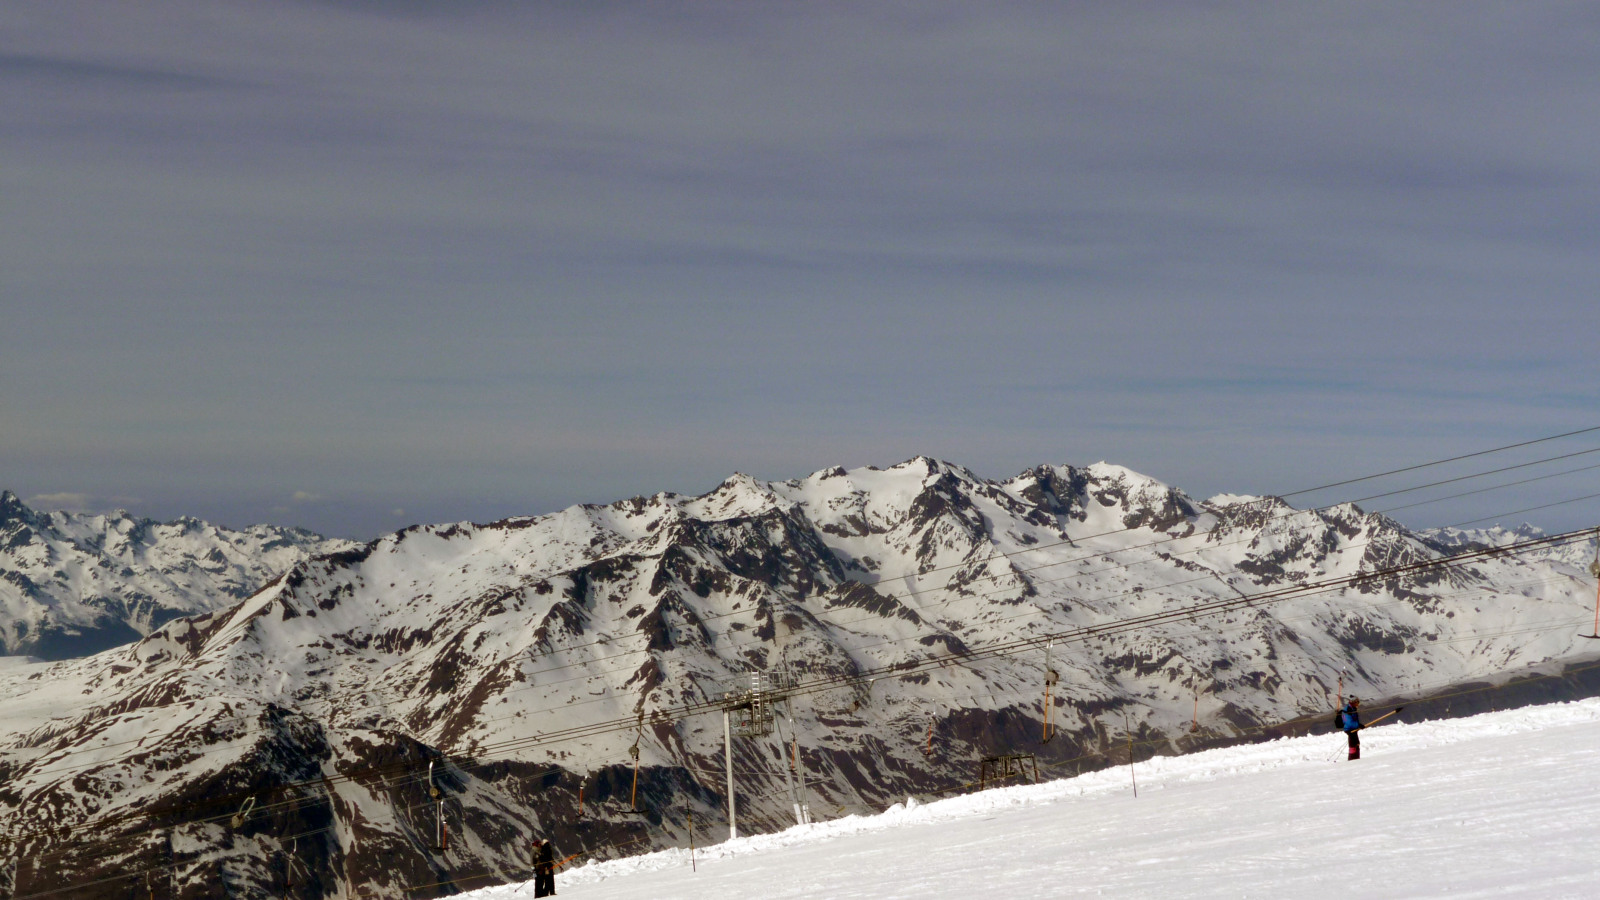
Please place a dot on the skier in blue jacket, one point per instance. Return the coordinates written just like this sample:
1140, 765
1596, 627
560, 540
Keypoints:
1350, 721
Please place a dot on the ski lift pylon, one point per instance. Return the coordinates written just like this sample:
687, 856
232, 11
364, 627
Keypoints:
633, 798
1050, 679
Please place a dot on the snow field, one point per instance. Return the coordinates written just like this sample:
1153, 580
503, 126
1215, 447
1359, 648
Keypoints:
1497, 805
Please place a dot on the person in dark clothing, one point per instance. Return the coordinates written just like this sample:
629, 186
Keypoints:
544, 869
1350, 721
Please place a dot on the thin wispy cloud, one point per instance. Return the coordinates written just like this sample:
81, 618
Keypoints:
481, 259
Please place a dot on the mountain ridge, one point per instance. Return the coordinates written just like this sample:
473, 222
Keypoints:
498, 649
73, 584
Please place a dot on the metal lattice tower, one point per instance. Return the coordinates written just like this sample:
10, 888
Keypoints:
753, 699
749, 709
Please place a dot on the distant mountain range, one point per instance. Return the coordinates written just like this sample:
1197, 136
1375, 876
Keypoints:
73, 584
507, 664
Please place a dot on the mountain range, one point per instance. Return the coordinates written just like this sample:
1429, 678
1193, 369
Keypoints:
398, 718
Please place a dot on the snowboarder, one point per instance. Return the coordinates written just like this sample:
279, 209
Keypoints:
1350, 722
544, 868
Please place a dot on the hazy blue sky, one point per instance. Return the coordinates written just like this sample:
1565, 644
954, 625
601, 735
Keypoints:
352, 265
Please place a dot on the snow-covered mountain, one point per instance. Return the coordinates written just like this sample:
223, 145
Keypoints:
505, 654
74, 584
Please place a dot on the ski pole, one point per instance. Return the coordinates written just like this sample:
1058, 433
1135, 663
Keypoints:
1393, 712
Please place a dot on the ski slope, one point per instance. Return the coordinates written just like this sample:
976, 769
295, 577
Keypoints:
1498, 805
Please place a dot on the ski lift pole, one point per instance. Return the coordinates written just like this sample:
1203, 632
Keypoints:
727, 755
800, 778
632, 798
441, 831
1133, 777
288, 869
1594, 569
788, 773
1393, 712
1050, 678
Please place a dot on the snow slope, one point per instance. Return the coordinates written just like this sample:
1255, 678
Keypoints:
1497, 805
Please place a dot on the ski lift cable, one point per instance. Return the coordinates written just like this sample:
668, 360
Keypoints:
1494, 487
1440, 462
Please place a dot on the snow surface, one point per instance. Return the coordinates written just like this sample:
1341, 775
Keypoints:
1497, 805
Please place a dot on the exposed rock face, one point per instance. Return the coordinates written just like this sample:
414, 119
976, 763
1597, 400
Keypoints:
488, 649
72, 584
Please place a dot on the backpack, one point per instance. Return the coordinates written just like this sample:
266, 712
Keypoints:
1338, 720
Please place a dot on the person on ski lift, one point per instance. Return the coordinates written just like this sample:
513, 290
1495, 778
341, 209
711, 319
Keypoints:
1350, 721
544, 869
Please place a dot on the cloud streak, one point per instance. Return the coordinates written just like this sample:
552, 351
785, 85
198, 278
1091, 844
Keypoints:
526, 255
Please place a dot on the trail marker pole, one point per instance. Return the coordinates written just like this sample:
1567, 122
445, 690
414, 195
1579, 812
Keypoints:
692, 866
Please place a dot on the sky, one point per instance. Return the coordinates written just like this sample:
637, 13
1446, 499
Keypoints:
352, 265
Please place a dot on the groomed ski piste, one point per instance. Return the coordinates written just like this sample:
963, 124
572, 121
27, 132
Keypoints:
1503, 804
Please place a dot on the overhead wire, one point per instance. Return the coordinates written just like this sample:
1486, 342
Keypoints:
1440, 462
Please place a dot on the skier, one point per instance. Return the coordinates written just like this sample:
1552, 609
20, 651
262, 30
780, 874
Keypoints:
544, 869
1350, 721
